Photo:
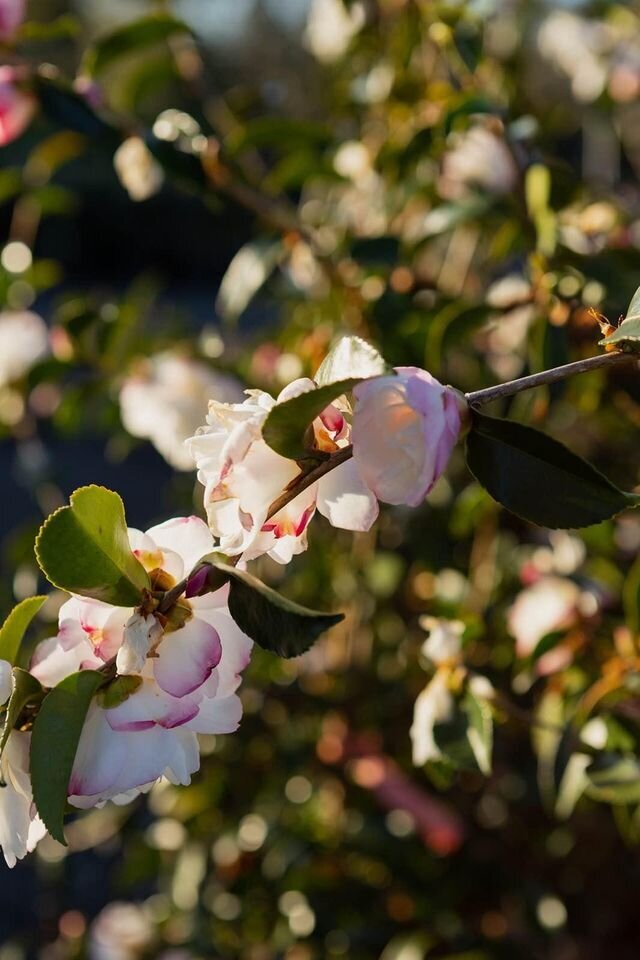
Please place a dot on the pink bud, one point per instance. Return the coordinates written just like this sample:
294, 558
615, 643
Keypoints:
16, 106
404, 429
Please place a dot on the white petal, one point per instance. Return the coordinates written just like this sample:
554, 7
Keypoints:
187, 657
236, 651
150, 706
345, 500
189, 537
6, 681
139, 634
217, 715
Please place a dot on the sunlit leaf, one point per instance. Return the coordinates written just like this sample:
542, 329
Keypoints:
25, 690
627, 335
15, 626
131, 38
84, 548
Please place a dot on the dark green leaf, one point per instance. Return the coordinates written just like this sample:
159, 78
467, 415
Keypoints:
286, 426
26, 689
68, 109
131, 38
15, 627
480, 730
54, 742
466, 738
271, 620
119, 690
631, 597
84, 548
538, 478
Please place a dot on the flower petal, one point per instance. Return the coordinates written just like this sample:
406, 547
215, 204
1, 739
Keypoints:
189, 537
345, 499
218, 715
236, 651
187, 657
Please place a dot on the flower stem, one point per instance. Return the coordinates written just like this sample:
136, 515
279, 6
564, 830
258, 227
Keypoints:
305, 480
478, 398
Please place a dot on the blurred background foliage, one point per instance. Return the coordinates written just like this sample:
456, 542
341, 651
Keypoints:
209, 194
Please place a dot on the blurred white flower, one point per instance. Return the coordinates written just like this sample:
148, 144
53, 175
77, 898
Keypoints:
139, 173
444, 641
165, 399
434, 705
331, 27
121, 931
480, 159
24, 339
575, 46
548, 605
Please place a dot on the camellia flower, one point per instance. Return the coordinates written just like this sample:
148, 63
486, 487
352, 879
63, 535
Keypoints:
242, 476
17, 107
404, 429
331, 27
20, 827
183, 668
24, 339
165, 398
11, 16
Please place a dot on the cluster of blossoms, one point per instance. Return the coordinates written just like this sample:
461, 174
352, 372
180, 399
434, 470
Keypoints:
184, 671
402, 428
172, 664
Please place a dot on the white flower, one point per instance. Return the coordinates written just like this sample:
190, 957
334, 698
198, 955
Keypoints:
188, 664
444, 642
331, 27
434, 705
165, 399
242, 476
478, 158
20, 827
548, 605
138, 171
24, 340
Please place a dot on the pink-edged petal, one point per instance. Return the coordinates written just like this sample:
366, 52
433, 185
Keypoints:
189, 537
187, 658
219, 715
236, 652
345, 499
101, 757
90, 614
149, 706
56, 658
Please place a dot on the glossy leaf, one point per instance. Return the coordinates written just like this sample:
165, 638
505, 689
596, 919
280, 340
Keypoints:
68, 109
84, 548
286, 426
25, 689
15, 626
131, 38
538, 478
54, 742
614, 778
271, 620
466, 738
249, 270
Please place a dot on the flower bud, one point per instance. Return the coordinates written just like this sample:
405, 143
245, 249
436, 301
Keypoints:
404, 429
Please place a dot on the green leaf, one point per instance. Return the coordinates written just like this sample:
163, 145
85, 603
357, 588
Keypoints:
286, 426
249, 270
131, 38
119, 690
614, 778
538, 478
627, 335
26, 689
84, 548
54, 742
631, 597
351, 357
15, 626
480, 730
466, 738
271, 620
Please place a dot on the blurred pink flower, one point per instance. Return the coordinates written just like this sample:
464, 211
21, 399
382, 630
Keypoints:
17, 107
11, 16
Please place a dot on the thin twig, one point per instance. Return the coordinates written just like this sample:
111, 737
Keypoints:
478, 398
305, 480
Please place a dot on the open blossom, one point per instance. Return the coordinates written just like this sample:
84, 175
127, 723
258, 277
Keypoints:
187, 666
24, 340
20, 827
164, 400
17, 107
404, 429
242, 476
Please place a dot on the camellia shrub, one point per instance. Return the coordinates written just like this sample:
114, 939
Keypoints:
398, 457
